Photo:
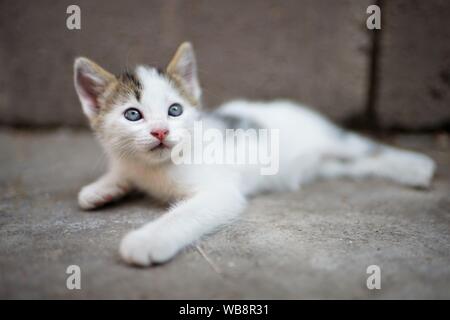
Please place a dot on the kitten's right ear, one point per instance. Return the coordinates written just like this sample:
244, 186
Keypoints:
183, 68
91, 81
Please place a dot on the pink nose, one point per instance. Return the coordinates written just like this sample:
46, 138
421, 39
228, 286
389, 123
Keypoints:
160, 134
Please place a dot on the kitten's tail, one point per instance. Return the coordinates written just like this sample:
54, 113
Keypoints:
356, 156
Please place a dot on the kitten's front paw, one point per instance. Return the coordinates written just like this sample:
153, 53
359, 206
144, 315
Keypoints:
91, 196
143, 247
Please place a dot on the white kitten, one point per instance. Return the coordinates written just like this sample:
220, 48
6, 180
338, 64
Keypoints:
140, 117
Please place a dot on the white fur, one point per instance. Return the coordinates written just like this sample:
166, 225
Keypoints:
205, 197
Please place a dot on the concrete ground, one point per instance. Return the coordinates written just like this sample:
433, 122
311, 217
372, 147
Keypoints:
314, 243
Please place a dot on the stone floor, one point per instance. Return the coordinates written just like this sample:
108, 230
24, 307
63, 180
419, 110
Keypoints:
314, 243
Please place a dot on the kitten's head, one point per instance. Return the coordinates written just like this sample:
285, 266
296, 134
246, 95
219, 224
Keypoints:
141, 114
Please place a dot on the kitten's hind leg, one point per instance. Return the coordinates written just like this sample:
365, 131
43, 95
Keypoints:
356, 156
108, 188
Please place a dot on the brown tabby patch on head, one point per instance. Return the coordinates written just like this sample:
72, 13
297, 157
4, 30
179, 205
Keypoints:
131, 82
118, 91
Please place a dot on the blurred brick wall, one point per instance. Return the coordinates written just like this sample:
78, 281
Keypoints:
314, 51
307, 50
414, 64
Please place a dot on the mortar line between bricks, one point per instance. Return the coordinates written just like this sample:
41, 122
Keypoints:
373, 74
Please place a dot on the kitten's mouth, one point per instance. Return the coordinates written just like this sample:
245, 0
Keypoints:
160, 146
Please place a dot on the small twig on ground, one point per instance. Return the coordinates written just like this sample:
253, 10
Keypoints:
210, 262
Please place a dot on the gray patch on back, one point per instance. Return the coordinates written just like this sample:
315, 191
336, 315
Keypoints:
236, 122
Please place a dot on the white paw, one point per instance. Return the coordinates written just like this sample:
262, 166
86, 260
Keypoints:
143, 247
425, 168
413, 169
90, 198
419, 171
93, 196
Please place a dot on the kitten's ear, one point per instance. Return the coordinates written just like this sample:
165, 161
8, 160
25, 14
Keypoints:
91, 81
183, 68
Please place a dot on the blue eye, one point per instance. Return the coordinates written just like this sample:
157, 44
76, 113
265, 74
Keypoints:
132, 114
175, 110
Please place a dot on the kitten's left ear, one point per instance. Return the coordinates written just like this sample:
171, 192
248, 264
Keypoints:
91, 81
183, 69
